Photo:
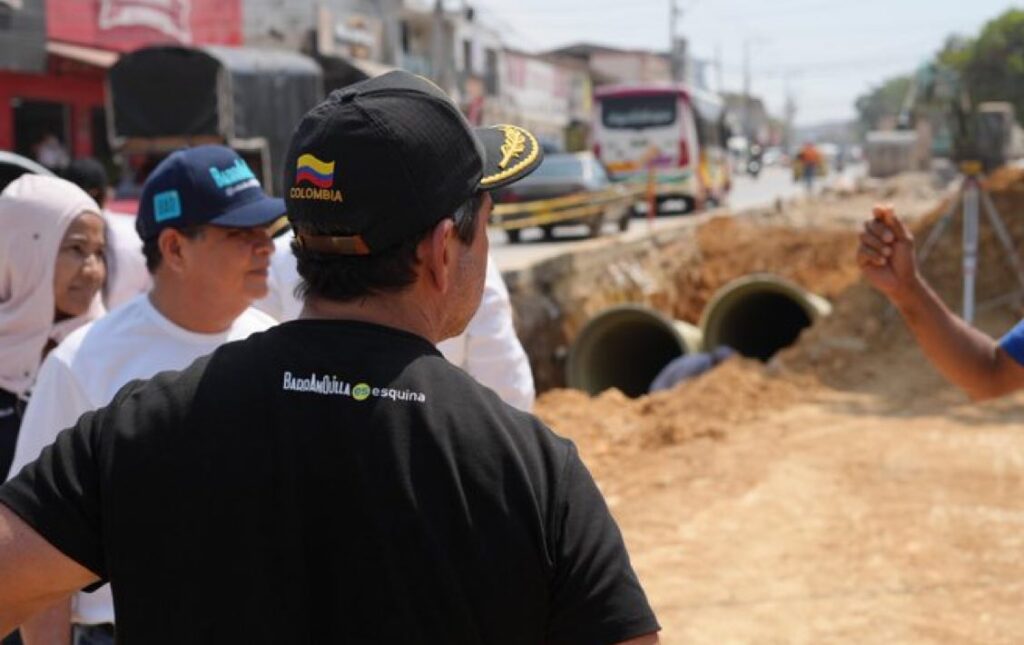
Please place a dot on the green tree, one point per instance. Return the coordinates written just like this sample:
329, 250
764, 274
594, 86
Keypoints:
991, 66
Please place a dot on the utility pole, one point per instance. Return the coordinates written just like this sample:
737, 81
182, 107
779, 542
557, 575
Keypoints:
746, 87
391, 52
718, 67
789, 112
673, 16
748, 127
439, 58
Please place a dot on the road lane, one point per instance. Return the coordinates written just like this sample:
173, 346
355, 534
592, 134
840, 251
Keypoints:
774, 183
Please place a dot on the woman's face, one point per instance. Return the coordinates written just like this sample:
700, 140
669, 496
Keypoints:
81, 268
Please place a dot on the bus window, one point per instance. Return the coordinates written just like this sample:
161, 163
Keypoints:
638, 112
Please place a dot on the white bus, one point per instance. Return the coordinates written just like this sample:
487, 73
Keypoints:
670, 129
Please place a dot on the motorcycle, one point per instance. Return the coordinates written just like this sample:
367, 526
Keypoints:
754, 167
755, 164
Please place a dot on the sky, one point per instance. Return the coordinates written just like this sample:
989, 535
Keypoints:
826, 53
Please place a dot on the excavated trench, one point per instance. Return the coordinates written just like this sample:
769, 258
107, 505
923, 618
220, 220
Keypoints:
609, 315
626, 346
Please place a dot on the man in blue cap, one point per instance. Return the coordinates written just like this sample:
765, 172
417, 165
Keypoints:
206, 225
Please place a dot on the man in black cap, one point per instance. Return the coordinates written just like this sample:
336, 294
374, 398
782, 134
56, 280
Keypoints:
334, 479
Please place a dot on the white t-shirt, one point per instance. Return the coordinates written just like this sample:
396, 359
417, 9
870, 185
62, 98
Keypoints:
282, 278
85, 372
488, 350
127, 275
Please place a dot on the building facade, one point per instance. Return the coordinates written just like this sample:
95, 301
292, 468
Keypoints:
464, 54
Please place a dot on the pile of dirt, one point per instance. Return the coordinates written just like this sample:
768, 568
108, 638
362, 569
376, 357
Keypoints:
811, 242
611, 424
1007, 178
817, 259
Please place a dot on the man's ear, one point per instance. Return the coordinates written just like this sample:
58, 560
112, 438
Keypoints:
437, 254
172, 253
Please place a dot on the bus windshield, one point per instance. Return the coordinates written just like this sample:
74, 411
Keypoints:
638, 112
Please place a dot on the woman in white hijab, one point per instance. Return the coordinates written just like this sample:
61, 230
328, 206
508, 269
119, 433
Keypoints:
52, 241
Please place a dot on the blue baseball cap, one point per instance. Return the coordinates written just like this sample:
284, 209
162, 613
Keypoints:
204, 185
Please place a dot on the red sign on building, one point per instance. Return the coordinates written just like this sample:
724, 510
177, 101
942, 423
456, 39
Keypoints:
83, 38
124, 25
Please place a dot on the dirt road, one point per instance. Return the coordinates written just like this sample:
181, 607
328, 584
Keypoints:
844, 494
894, 514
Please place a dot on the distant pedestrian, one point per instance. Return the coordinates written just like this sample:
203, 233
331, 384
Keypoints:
50, 152
810, 164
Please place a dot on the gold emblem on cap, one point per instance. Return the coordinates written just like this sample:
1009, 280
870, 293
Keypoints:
515, 144
518, 152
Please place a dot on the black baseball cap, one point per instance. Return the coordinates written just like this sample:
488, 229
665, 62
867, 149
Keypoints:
384, 159
204, 185
86, 173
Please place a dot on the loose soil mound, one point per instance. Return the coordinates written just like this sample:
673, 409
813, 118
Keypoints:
612, 424
816, 259
810, 242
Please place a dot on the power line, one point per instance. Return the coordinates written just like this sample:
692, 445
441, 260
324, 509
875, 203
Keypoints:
507, 26
591, 7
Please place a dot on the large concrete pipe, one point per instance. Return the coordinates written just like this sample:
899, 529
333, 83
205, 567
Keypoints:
759, 314
625, 347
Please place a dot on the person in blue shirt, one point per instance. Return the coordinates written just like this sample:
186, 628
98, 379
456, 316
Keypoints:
981, 366
687, 367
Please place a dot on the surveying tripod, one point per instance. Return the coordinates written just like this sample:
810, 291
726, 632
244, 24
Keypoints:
970, 194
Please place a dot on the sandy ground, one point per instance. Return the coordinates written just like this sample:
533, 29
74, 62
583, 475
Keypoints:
841, 494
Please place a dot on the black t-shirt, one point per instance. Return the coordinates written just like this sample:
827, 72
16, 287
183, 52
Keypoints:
11, 409
329, 482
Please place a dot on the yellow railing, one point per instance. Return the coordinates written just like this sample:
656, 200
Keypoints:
516, 215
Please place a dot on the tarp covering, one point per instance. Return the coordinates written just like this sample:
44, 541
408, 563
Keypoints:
340, 72
235, 93
165, 92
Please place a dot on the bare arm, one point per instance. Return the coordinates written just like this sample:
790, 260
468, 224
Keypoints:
967, 357
35, 575
964, 355
51, 626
